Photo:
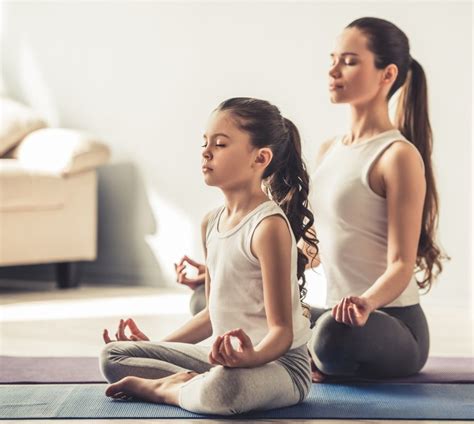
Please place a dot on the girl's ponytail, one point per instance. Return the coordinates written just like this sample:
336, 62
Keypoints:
289, 187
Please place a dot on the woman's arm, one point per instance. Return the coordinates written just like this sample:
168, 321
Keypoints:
404, 187
199, 327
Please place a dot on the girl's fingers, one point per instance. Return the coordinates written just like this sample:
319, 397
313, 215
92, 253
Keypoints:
105, 336
229, 351
121, 330
216, 347
192, 262
245, 340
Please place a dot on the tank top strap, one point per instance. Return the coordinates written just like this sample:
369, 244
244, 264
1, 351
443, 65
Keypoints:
211, 223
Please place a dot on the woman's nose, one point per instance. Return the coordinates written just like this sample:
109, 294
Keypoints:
334, 71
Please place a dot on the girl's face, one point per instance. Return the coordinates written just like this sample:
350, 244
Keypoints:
353, 77
228, 157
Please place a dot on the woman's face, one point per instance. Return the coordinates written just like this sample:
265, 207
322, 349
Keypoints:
228, 155
353, 77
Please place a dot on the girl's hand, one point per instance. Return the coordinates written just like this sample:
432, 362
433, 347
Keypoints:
120, 335
222, 352
353, 311
181, 278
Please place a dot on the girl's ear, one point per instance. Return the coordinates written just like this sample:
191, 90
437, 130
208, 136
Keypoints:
264, 157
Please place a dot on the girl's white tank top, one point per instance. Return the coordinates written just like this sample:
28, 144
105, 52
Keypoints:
351, 219
236, 289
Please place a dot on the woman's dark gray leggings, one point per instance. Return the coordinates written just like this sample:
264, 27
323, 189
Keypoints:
393, 343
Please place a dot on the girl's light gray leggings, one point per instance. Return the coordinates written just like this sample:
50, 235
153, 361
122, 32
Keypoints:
217, 389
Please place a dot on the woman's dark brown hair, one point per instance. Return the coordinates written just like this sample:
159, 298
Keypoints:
390, 45
285, 178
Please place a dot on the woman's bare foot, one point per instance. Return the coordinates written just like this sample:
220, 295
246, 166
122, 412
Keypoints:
316, 375
162, 390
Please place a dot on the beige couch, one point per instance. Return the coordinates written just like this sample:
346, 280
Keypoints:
48, 193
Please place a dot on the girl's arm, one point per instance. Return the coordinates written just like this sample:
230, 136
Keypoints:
405, 187
271, 245
198, 328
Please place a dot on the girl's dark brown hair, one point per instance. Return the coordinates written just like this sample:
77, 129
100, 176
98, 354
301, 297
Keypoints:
285, 178
390, 45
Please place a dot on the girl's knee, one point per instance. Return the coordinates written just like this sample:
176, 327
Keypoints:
108, 360
220, 393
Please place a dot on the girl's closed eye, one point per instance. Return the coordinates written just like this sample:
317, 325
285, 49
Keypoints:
217, 145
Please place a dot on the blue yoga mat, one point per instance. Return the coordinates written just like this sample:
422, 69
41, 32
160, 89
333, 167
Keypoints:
357, 401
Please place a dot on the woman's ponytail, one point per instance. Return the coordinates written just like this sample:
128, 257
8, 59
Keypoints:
413, 122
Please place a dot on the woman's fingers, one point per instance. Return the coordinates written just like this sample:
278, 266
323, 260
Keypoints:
351, 315
339, 312
345, 312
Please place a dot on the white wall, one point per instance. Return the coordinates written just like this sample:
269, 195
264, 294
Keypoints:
145, 76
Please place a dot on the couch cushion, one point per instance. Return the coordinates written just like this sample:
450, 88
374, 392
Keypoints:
61, 150
25, 189
16, 121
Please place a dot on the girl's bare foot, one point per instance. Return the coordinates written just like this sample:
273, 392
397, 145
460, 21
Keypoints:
162, 390
316, 375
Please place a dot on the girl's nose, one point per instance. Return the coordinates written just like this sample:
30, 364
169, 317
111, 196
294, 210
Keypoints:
206, 154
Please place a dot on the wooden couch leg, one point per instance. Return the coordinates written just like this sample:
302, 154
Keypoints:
67, 275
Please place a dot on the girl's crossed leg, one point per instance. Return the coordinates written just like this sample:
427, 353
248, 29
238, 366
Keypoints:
179, 374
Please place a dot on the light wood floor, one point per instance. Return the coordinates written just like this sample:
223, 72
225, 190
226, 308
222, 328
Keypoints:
36, 319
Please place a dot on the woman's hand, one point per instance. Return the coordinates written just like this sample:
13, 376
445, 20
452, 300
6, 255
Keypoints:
181, 278
222, 352
120, 335
353, 311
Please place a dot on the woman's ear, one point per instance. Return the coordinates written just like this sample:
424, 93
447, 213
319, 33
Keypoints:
390, 74
264, 157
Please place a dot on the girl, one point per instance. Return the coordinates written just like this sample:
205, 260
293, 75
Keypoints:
258, 358
376, 211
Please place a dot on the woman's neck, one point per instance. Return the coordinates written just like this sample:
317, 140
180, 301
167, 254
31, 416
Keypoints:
368, 120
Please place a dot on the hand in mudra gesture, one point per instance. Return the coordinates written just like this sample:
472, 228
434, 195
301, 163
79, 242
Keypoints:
352, 310
181, 276
137, 334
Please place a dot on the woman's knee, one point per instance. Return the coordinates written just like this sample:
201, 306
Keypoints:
330, 344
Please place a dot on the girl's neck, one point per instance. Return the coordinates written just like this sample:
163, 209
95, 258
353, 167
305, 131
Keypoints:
368, 120
239, 202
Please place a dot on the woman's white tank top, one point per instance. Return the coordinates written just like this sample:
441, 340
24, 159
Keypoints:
236, 289
351, 219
